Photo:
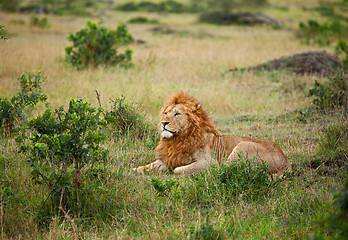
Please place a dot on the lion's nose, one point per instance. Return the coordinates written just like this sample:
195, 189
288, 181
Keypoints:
164, 123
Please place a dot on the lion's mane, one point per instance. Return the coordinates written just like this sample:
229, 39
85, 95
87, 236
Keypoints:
175, 151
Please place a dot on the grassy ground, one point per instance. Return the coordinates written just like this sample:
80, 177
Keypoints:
196, 60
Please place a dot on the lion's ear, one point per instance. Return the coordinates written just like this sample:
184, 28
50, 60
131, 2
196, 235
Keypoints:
198, 106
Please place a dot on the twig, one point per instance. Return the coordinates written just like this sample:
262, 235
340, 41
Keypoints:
98, 98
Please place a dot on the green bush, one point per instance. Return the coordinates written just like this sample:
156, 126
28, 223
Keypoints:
331, 94
42, 23
126, 121
142, 20
322, 33
96, 45
62, 145
15, 110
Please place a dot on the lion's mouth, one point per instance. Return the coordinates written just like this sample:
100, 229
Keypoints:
165, 129
167, 133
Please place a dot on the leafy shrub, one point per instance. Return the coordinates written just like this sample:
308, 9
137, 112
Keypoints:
42, 23
63, 144
3, 32
143, 20
321, 33
331, 94
95, 45
15, 110
126, 120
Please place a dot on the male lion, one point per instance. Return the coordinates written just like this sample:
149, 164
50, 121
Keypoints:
190, 141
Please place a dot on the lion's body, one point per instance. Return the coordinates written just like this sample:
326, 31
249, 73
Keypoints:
190, 142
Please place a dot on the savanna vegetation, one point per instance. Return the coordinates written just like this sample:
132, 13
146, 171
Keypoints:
79, 103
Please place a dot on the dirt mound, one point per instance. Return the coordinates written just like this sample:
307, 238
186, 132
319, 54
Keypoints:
303, 63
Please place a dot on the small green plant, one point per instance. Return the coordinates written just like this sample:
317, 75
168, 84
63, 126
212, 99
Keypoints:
96, 45
127, 121
163, 188
42, 23
331, 94
3, 33
15, 110
62, 145
321, 33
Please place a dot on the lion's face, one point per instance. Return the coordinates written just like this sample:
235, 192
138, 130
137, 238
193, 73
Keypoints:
174, 120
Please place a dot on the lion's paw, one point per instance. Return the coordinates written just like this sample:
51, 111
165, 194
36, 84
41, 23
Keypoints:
178, 170
140, 169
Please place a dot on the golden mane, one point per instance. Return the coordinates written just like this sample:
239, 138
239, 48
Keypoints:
177, 149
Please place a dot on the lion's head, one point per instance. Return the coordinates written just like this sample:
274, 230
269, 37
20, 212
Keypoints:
184, 127
183, 115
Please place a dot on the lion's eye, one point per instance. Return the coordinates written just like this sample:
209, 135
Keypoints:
176, 114
165, 113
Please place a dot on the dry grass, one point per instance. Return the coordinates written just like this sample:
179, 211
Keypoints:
165, 64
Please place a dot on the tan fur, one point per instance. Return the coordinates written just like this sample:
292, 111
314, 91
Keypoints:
190, 141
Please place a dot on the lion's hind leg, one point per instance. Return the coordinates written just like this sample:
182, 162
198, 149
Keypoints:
270, 153
156, 166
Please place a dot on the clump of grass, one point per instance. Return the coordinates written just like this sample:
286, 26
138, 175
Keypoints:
205, 231
42, 23
332, 147
335, 224
126, 121
240, 180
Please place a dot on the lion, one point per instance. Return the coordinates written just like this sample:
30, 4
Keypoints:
190, 142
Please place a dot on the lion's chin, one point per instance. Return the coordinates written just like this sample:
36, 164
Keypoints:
166, 134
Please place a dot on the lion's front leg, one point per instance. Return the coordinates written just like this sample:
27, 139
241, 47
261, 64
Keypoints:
191, 168
156, 166
202, 160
